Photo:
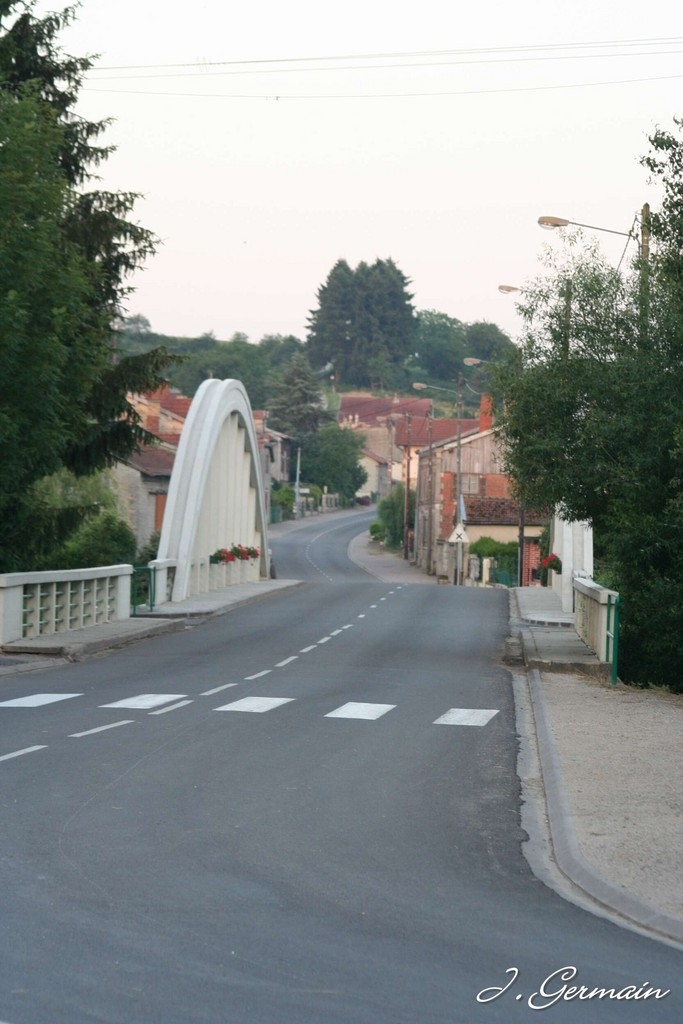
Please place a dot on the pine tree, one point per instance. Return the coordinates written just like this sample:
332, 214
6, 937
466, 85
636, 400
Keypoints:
364, 323
297, 406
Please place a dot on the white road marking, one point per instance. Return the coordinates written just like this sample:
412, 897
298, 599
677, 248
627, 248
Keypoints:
356, 710
466, 716
36, 700
348, 626
373, 605
258, 675
324, 640
281, 664
305, 650
171, 707
382, 598
258, 704
144, 701
18, 753
361, 616
336, 632
100, 728
217, 689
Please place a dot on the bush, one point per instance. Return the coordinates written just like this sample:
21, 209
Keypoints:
148, 551
377, 531
505, 554
103, 539
391, 512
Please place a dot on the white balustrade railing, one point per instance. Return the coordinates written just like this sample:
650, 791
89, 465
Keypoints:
43, 603
593, 606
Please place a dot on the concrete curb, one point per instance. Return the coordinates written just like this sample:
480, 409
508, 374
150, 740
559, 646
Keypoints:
48, 650
566, 849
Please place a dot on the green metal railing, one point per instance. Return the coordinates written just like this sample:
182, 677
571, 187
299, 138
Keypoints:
612, 641
143, 588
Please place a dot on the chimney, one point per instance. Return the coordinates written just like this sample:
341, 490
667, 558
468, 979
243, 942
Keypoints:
485, 413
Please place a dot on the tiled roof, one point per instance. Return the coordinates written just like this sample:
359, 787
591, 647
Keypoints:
371, 411
366, 453
499, 512
174, 401
152, 461
415, 433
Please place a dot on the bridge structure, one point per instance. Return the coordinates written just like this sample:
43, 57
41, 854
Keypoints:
216, 500
216, 497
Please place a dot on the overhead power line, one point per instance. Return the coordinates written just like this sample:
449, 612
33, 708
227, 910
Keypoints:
386, 95
405, 55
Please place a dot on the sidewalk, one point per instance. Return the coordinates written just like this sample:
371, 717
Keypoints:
601, 764
611, 761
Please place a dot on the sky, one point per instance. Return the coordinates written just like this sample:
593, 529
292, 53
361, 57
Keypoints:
270, 140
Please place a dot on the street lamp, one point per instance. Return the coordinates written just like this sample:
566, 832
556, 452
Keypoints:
550, 223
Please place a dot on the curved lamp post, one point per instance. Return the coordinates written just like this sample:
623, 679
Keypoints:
550, 223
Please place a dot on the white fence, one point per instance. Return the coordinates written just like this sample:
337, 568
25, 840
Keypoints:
43, 603
594, 617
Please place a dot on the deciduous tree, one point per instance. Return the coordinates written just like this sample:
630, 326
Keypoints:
66, 252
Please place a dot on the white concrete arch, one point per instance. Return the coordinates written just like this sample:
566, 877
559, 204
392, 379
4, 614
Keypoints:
216, 493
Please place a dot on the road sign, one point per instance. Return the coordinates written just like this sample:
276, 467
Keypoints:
458, 536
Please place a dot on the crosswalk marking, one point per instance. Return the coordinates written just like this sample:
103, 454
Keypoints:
145, 700
358, 710
36, 700
258, 704
466, 716
165, 702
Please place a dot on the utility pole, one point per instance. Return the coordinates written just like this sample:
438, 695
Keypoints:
406, 497
430, 492
458, 485
297, 492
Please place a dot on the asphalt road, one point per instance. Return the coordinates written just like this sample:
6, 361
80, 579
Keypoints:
341, 847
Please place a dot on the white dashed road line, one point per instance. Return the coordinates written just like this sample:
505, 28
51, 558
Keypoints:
217, 689
171, 707
100, 728
18, 753
258, 675
281, 664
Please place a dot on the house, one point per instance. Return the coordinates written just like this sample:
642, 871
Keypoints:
471, 464
142, 481
141, 484
377, 419
278, 446
413, 433
504, 521
378, 483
